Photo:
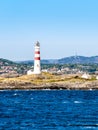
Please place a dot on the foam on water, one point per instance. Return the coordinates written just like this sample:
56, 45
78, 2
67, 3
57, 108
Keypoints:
65, 102
15, 94
90, 127
78, 102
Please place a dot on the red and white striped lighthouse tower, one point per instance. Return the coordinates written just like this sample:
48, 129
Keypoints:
37, 67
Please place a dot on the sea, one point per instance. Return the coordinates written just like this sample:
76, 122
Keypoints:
48, 110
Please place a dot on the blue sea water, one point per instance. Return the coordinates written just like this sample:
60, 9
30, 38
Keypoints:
48, 110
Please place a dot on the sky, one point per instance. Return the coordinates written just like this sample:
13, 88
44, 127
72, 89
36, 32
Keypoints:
63, 28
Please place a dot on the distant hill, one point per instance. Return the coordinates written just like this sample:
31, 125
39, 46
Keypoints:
78, 59
6, 62
50, 61
11, 69
67, 60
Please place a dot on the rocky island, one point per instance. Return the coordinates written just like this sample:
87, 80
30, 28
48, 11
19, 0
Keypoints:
58, 76
49, 81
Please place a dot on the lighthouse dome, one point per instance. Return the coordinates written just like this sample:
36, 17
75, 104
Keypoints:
37, 44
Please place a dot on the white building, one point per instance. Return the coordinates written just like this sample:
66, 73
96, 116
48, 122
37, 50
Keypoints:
37, 67
86, 76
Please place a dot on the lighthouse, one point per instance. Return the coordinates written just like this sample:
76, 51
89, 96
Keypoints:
37, 67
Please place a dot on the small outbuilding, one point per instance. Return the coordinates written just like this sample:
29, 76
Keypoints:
29, 72
86, 76
97, 77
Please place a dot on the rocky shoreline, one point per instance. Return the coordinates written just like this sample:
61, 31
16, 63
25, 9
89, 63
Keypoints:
69, 86
48, 82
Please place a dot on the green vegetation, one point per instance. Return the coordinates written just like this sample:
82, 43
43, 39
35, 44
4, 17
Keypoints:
22, 68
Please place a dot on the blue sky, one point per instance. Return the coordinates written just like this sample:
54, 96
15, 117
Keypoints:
63, 28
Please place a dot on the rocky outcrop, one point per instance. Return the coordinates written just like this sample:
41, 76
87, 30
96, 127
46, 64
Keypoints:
64, 85
48, 81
